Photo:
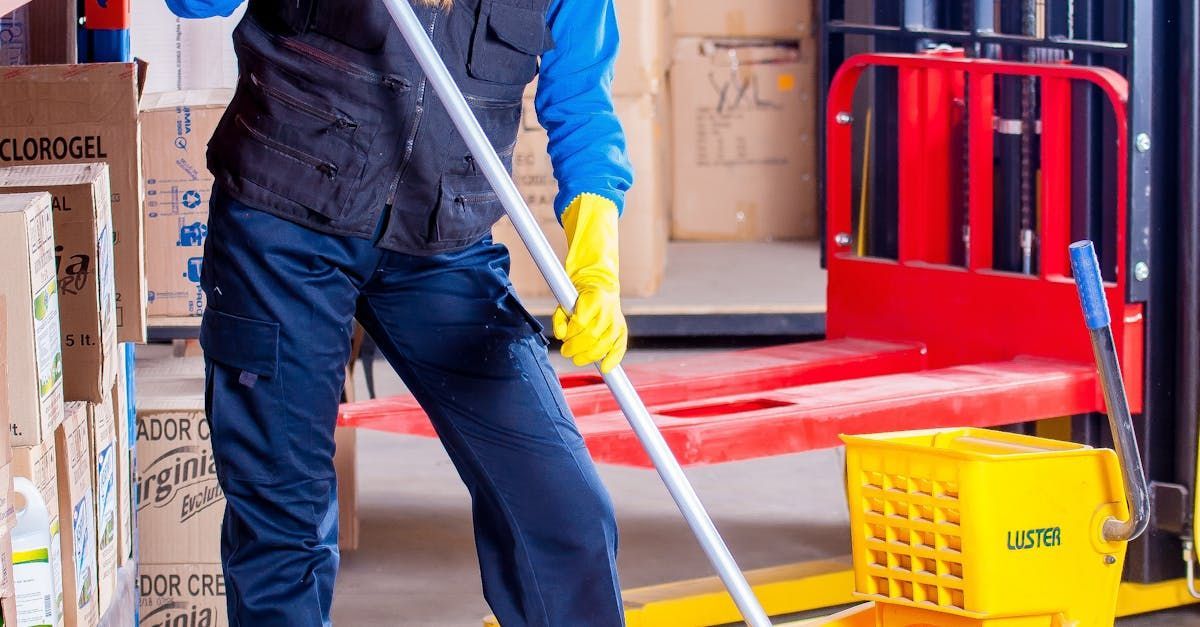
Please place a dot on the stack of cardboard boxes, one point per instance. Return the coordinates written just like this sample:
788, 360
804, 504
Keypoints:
63, 362
33, 402
743, 87
180, 505
49, 115
86, 453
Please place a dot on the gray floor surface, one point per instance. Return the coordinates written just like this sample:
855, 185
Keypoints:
417, 567
744, 274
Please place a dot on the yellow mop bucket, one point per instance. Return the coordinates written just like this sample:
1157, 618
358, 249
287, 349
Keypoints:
992, 528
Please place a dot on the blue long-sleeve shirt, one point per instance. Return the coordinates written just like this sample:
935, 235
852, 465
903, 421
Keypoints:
574, 96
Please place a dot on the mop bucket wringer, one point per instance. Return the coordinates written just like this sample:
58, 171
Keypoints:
977, 527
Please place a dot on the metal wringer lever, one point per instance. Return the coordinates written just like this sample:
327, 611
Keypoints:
1088, 280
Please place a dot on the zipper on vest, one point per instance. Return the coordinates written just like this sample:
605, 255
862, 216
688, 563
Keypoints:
335, 62
418, 113
330, 170
340, 121
391, 81
470, 199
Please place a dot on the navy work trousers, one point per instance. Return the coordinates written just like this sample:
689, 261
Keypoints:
282, 300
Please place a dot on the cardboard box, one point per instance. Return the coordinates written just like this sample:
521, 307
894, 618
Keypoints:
76, 506
643, 229
34, 351
785, 19
103, 440
53, 32
39, 464
125, 435
83, 236
52, 114
182, 594
183, 53
744, 143
176, 128
645, 47
180, 504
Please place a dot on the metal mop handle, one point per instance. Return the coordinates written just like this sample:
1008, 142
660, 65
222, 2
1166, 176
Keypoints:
1095, 311
631, 404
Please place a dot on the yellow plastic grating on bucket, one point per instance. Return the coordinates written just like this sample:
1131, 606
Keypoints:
940, 519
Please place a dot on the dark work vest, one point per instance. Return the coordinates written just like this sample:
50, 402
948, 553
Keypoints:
333, 121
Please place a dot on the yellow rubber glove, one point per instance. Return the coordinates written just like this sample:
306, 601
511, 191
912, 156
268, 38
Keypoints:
597, 330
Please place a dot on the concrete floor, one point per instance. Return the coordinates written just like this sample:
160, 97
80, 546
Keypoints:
743, 273
416, 565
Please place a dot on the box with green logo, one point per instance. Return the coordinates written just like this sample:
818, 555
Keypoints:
102, 428
125, 497
77, 513
33, 350
83, 234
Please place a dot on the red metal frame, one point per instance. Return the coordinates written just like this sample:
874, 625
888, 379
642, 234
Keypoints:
914, 342
690, 379
928, 117
788, 420
972, 314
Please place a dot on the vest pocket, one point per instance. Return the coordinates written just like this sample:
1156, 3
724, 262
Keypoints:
317, 183
466, 210
332, 118
507, 43
294, 149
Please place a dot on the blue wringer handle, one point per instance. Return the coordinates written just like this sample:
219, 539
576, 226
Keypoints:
1091, 286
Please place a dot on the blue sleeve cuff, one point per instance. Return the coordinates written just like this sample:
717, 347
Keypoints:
568, 193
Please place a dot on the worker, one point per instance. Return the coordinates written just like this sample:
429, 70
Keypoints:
344, 192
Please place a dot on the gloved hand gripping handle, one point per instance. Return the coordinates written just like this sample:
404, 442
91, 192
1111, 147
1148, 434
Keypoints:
1095, 313
560, 285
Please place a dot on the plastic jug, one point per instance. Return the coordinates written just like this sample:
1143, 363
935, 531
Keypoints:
33, 576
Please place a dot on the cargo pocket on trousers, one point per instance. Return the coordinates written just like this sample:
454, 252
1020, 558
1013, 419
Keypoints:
246, 418
507, 43
536, 328
467, 209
